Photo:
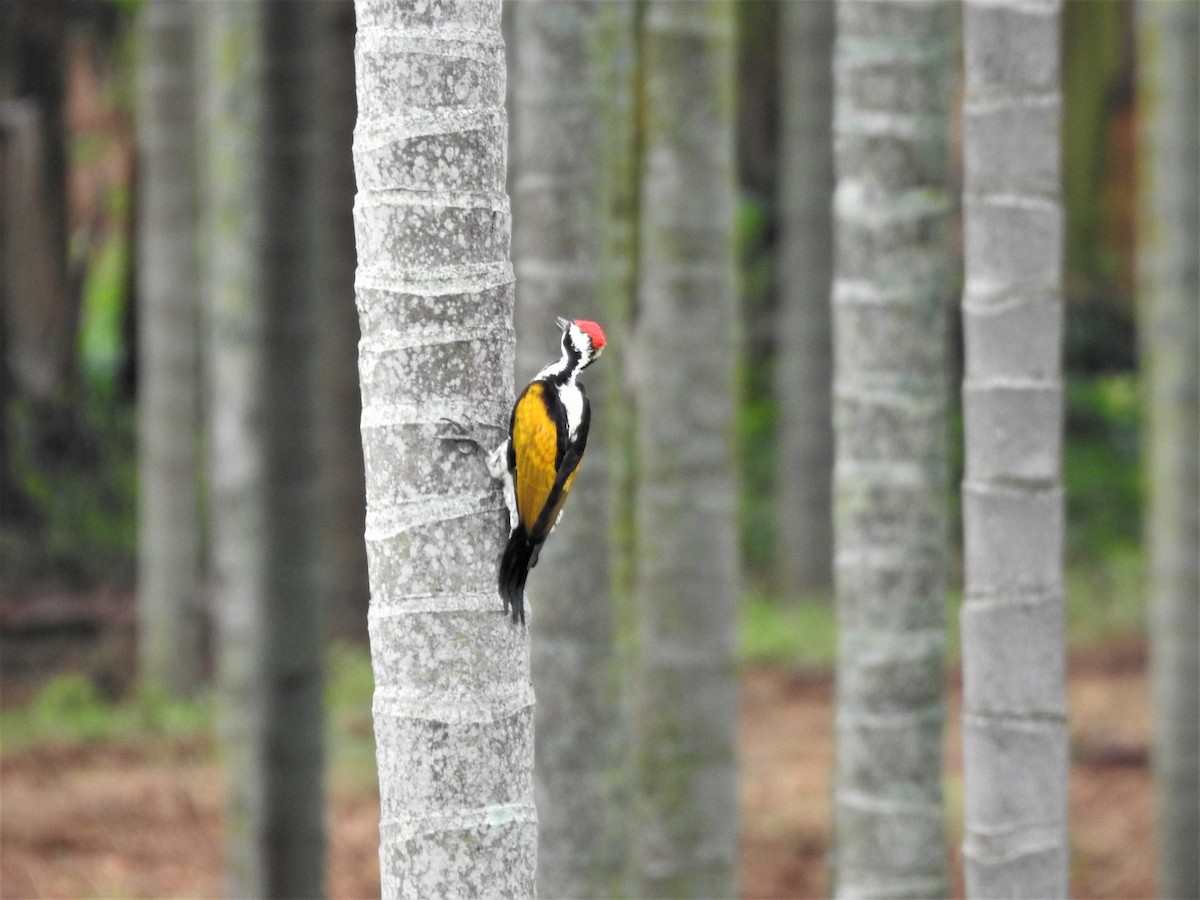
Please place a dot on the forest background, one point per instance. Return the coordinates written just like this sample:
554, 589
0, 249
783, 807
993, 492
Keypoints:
68, 483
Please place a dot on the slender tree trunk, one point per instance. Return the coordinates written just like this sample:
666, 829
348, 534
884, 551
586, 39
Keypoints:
686, 577
346, 589
1169, 310
453, 702
1015, 747
573, 209
805, 356
171, 622
893, 278
40, 312
261, 60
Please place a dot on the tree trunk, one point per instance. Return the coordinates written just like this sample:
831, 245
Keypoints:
40, 312
453, 702
573, 210
264, 224
1169, 276
805, 356
686, 577
1015, 744
170, 617
893, 280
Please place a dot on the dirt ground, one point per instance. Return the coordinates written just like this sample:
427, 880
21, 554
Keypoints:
122, 821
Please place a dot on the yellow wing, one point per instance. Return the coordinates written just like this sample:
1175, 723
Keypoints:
535, 445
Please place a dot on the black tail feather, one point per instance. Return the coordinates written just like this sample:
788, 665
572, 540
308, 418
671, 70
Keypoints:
514, 569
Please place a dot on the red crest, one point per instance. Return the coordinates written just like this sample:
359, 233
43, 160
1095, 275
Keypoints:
594, 331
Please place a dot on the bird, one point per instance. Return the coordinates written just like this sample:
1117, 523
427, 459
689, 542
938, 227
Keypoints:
538, 461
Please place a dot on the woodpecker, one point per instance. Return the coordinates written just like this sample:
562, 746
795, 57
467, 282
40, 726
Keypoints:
547, 433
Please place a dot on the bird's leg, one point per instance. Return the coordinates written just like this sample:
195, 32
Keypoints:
497, 460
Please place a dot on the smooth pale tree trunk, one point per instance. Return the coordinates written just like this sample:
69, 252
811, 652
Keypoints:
263, 226
453, 705
686, 571
893, 277
805, 355
1015, 742
170, 617
341, 449
1169, 324
573, 231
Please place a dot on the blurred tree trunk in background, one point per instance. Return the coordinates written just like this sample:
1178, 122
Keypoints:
573, 247
683, 370
345, 585
1015, 743
171, 622
1169, 307
453, 705
39, 314
264, 228
805, 353
38, 311
893, 281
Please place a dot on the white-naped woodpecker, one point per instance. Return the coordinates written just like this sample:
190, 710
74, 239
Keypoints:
538, 461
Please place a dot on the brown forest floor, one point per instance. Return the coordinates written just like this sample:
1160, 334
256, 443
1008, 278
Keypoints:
97, 821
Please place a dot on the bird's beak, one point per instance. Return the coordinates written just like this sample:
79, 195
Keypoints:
562, 323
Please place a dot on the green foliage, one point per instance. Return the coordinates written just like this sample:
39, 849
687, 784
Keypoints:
1105, 597
800, 634
1104, 600
102, 348
73, 460
70, 709
758, 452
757, 408
1101, 467
78, 478
349, 688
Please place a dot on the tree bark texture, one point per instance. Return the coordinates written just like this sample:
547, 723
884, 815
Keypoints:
1169, 324
805, 355
1015, 743
453, 705
171, 620
686, 575
893, 279
263, 226
573, 246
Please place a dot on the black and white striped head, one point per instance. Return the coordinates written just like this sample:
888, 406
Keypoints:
582, 341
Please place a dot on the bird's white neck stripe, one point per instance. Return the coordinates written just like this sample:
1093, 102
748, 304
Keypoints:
572, 401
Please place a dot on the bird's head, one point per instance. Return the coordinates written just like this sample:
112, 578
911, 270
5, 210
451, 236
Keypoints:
583, 338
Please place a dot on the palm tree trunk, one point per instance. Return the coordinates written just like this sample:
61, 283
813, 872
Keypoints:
263, 226
686, 577
453, 704
573, 205
805, 357
1169, 322
1015, 747
893, 281
171, 622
